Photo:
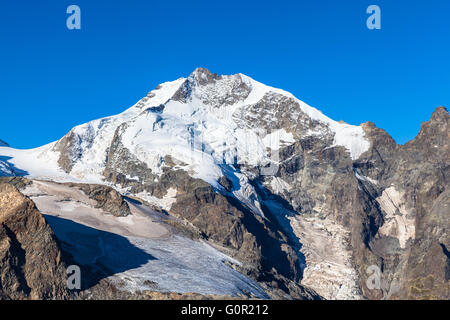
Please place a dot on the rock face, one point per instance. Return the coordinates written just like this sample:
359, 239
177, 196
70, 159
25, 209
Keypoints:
411, 189
308, 205
31, 260
106, 198
3, 144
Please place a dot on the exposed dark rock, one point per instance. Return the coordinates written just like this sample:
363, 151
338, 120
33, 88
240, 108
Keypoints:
32, 263
226, 183
18, 182
70, 150
420, 170
106, 197
121, 165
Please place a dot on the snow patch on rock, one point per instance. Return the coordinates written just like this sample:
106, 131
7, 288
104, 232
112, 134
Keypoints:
398, 223
364, 178
165, 203
329, 270
278, 185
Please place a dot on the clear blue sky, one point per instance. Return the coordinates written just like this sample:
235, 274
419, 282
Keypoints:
320, 50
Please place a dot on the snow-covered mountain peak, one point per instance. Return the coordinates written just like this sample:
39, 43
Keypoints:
204, 121
212, 89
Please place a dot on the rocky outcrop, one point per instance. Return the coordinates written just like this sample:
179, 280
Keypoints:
424, 179
71, 147
410, 185
32, 265
214, 90
69, 151
122, 166
18, 182
107, 198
